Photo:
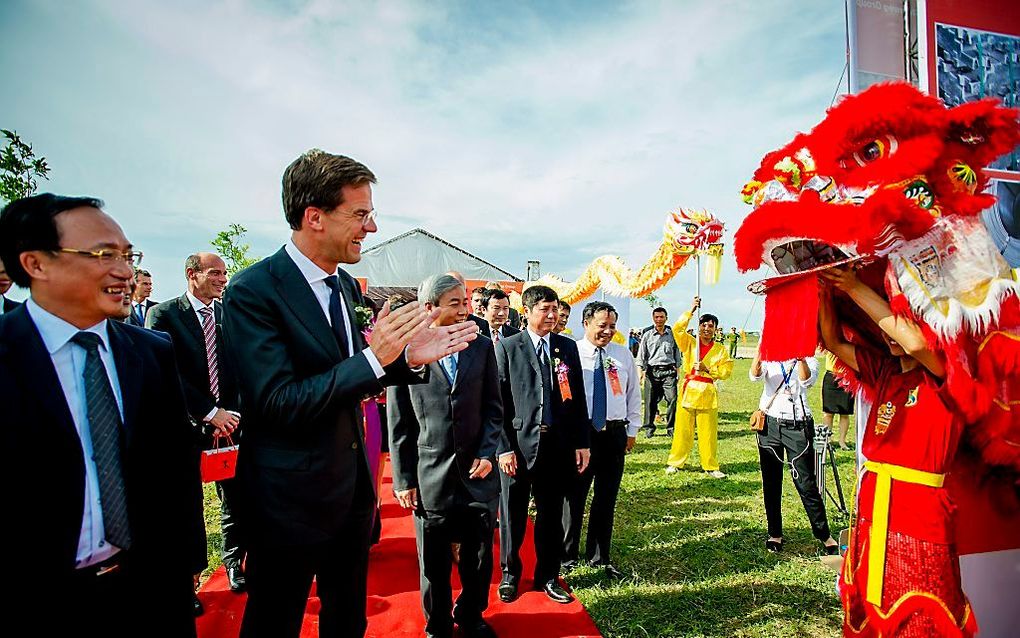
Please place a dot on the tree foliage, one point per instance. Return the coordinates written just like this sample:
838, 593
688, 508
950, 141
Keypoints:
228, 244
19, 168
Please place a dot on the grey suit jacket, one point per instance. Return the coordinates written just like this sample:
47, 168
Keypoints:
438, 430
521, 386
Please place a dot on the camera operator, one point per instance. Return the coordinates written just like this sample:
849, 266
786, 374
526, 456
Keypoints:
789, 429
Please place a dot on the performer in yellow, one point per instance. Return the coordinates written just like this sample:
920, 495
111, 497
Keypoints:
699, 401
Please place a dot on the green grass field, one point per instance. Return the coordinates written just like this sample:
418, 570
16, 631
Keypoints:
693, 546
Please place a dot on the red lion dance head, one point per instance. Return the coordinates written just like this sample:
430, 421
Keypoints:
892, 181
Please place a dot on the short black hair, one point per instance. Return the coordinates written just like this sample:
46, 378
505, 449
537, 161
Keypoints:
595, 308
492, 293
660, 309
141, 272
29, 224
564, 304
538, 294
709, 317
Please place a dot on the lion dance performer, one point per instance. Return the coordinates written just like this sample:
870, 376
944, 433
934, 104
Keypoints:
699, 401
883, 199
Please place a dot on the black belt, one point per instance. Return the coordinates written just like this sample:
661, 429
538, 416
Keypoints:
792, 424
613, 424
544, 428
665, 366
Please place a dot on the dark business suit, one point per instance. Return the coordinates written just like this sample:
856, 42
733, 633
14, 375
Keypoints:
436, 433
9, 304
309, 498
478, 321
177, 318
545, 461
132, 318
43, 478
506, 330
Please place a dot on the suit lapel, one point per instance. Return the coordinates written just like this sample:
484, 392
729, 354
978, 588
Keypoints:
129, 373
352, 319
30, 355
296, 293
530, 352
190, 320
465, 361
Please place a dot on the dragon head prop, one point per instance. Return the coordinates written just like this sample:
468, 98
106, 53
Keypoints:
692, 230
893, 180
882, 167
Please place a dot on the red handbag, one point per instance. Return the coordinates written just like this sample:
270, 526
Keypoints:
219, 463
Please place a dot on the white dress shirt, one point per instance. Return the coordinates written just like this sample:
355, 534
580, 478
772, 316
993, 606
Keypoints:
619, 407
196, 305
545, 340
69, 362
316, 278
791, 402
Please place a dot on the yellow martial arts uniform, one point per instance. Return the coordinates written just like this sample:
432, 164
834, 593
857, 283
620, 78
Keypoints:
699, 401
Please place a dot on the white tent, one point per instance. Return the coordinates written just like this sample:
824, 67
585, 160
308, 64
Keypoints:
406, 260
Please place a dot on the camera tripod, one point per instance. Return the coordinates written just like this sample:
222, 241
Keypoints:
824, 456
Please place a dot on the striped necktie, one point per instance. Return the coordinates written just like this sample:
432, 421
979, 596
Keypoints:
211, 356
104, 429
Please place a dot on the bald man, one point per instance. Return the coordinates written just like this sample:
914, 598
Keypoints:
210, 386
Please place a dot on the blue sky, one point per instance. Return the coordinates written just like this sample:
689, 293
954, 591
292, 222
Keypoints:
557, 131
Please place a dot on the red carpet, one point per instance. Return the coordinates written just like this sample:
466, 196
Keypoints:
394, 606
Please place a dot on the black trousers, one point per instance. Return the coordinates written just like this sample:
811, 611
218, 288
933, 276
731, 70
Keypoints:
660, 383
548, 481
471, 525
132, 600
280, 577
230, 495
796, 443
605, 471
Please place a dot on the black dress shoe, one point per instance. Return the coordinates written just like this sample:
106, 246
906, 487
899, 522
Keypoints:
235, 577
197, 604
568, 565
774, 546
555, 592
507, 591
613, 572
477, 629
649, 433
832, 550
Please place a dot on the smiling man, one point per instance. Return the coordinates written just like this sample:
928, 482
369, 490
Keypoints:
194, 321
117, 528
443, 440
6, 305
546, 444
613, 396
303, 368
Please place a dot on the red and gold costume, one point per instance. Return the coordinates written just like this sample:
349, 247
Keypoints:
891, 182
900, 576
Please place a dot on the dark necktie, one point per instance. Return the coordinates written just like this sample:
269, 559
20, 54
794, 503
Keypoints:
598, 394
547, 389
104, 427
336, 315
211, 356
140, 314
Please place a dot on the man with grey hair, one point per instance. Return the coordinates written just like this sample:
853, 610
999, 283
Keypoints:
443, 440
194, 323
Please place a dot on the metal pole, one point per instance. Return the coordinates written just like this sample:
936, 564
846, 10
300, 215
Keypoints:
697, 329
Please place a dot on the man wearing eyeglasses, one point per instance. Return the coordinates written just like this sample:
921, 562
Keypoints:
193, 321
101, 464
303, 368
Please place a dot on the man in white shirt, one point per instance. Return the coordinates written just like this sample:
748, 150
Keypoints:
140, 302
789, 430
613, 392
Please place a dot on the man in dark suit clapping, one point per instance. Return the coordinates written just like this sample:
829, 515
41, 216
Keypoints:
443, 440
303, 369
546, 422
193, 322
100, 474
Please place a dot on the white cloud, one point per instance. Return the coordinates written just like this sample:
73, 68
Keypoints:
550, 132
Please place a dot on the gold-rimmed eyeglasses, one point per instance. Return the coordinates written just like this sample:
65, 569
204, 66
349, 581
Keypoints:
107, 256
